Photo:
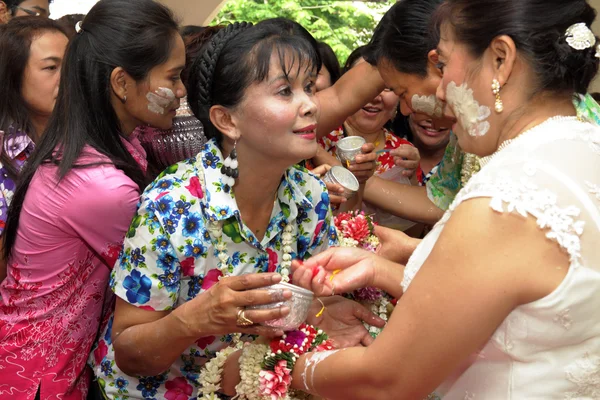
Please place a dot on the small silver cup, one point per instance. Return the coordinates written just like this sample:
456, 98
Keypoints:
299, 305
348, 148
343, 177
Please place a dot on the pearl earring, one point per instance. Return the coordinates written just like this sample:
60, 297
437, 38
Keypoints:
499, 106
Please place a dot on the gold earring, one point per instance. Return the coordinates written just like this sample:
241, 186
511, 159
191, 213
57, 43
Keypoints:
499, 106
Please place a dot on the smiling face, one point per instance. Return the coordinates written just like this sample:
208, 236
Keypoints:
426, 136
416, 93
42, 73
277, 118
375, 114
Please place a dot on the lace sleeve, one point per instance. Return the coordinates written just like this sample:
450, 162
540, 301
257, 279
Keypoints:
557, 184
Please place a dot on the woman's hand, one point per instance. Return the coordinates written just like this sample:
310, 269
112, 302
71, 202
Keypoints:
215, 312
335, 190
335, 271
365, 164
343, 320
396, 245
407, 157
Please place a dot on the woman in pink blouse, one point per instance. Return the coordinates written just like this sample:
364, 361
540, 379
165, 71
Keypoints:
31, 53
79, 192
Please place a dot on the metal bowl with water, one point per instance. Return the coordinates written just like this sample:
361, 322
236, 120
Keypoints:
299, 305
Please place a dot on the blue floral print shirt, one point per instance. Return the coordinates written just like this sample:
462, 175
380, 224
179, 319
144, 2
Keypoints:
170, 257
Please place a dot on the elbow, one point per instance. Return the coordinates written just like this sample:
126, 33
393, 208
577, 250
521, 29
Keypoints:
138, 364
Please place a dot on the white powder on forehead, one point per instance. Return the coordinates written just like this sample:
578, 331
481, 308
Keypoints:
470, 114
160, 100
429, 105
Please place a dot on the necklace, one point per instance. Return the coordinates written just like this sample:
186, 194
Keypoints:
506, 143
216, 230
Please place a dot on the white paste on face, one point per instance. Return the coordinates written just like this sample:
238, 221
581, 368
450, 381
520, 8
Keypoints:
429, 105
160, 100
470, 114
311, 364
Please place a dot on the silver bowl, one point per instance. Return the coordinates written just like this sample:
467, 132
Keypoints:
348, 148
299, 305
184, 140
343, 177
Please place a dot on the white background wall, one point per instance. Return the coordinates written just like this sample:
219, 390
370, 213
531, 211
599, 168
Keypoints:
190, 12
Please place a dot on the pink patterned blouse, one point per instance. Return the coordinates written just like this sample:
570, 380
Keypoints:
69, 237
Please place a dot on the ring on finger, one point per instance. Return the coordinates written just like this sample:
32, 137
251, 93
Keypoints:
242, 320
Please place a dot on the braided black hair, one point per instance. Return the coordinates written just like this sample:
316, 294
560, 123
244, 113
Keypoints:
204, 66
229, 63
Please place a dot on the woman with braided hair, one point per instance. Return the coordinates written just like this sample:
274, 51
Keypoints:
212, 230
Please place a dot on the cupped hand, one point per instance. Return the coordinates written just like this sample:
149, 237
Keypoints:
335, 190
408, 158
335, 271
215, 312
396, 245
343, 320
364, 164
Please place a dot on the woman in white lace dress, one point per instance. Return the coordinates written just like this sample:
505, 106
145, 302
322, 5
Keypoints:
501, 299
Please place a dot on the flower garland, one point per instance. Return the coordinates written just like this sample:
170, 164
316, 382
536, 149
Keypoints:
265, 370
210, 375
276, 364
355, 229
263, 374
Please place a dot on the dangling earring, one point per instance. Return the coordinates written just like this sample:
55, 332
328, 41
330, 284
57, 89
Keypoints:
230, 170
499, 106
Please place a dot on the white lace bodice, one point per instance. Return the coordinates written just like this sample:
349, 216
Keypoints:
548, 349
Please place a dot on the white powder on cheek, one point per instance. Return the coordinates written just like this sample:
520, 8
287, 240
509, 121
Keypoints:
160, 100
471, 115
429, 105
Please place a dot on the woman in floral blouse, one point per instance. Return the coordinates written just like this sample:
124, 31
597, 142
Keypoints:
31, 53
78, 193
202, 235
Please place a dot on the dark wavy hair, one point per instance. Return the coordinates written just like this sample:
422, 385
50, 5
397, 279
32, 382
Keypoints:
239, 55
538, 28
330, 61
15, 47
404, 36
83, 115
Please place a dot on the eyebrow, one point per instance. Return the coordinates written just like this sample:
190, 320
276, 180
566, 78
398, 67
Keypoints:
280, 77
52, 58
179, 68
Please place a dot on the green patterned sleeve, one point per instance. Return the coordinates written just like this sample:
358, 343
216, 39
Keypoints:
445, 183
